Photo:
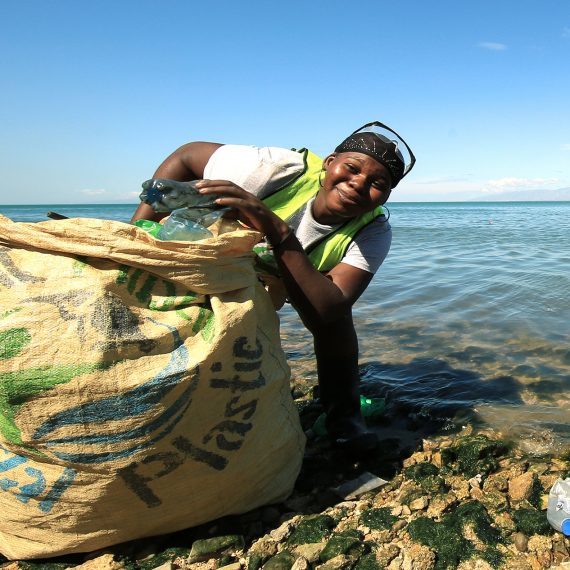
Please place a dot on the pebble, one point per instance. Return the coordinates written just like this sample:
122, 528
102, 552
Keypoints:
520, 541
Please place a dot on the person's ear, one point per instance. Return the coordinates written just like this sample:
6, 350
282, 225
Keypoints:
328, 160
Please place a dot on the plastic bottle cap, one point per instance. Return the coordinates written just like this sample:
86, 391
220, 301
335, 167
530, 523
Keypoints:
565, 527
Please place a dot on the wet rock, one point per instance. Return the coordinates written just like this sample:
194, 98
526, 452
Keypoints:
386, 553
541, 546
232, 566
429, 445
460, 487
397, 510
475, 482
212, 547
418, 457
520, 541
419, 504
282, 561
367, 562
282, 531
440, 504
340, 562
399, 525
300, 564
560, 550
504, 521
477, 564
437, 459
310, 552
264, 548
347, 543
494, 500
378, 536
396, 564
498, 482
476, 493
418, 557
519, 562
521, 487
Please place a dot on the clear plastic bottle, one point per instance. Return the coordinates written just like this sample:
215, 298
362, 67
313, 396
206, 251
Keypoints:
558, 513
179, 227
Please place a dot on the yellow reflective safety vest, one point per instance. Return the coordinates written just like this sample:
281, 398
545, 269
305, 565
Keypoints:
288, 200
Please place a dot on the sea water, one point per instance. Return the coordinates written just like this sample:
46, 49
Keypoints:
466, 322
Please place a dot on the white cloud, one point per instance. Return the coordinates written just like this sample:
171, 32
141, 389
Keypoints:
90, 192
442, 180
494, 46
455, 190
515, 184
565, 146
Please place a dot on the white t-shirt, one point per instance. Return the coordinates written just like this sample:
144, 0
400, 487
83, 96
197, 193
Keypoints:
262, 170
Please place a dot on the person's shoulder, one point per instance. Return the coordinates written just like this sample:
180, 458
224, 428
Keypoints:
378, 226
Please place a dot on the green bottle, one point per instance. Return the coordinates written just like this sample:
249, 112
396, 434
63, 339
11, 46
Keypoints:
148, 226
371, 408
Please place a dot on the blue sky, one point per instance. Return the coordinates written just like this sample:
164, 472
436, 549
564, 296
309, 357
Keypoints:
95, 94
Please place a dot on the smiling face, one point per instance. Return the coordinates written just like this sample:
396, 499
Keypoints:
354, 183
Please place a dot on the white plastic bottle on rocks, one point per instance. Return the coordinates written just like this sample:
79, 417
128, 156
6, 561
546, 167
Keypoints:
558, 513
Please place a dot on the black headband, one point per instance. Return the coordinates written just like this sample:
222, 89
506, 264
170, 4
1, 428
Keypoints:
379, 148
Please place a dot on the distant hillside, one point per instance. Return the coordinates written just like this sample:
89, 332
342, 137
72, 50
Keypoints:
559, 195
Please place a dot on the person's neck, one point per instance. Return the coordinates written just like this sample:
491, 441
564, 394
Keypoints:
321, 215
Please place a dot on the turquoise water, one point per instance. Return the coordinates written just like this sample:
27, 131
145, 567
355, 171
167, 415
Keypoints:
467, 321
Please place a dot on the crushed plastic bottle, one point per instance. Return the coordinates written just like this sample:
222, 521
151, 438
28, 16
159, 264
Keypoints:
370, 408
164, 195
180, 227
558, 512
191, 214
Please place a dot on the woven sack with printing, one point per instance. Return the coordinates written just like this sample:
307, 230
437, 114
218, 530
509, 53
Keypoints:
143, 387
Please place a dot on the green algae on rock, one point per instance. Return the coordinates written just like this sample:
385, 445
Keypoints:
531, 521
378, 519
368, 562
169, 554
427, 476
312, 529
473, 455
282, 561
348, 542
210, 547
447, 538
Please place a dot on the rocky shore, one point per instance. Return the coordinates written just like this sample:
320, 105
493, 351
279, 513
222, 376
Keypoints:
466, 499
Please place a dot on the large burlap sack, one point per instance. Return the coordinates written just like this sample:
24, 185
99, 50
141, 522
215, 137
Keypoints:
143, 388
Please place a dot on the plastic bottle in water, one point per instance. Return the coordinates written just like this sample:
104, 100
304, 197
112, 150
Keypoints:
558, 513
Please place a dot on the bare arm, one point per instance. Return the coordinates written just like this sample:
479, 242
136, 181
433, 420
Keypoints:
320, 299
186, 163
